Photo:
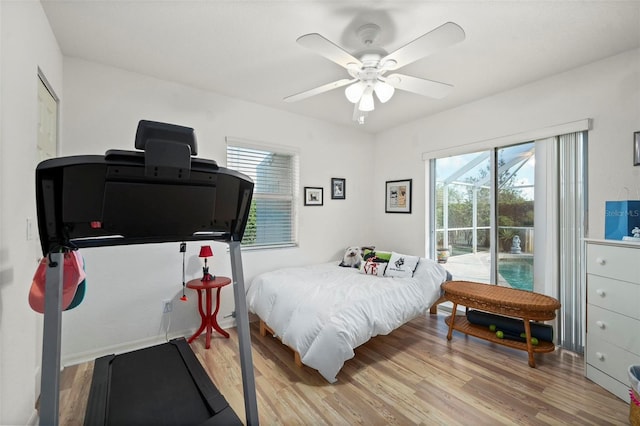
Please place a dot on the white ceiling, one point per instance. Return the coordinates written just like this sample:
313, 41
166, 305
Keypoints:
248, 49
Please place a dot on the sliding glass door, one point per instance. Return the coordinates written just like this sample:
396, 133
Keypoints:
514, 213
484, 215
515, 207
463, 215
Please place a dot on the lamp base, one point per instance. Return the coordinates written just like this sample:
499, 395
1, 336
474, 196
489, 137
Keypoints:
206, 276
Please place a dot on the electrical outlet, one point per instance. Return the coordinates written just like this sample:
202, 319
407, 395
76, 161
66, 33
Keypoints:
167, 306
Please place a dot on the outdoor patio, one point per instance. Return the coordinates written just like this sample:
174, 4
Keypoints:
476, 266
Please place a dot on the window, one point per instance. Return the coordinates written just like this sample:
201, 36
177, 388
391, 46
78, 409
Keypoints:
272, 215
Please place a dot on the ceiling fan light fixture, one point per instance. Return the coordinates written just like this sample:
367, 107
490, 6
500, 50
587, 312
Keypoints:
384, 91
368, 70
354, 92
359, 116
366, 101
389, 64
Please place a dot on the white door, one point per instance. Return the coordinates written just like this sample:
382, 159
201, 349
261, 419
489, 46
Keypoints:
47, 123
47, 148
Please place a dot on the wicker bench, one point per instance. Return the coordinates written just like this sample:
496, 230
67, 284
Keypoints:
525, 305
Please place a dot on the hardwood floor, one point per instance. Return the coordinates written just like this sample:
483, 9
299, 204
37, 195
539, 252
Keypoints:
412, 376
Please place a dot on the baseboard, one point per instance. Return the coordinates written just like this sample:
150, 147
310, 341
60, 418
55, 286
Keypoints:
80, 358
34, 419
37, 381
87, 356
448, 307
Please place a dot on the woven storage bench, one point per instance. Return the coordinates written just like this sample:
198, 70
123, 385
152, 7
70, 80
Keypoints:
521, 304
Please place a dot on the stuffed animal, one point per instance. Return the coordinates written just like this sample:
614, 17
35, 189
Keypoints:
352, 258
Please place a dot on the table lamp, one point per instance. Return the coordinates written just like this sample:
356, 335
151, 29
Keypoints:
205, 251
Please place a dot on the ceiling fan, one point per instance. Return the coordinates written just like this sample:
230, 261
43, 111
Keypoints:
368, 68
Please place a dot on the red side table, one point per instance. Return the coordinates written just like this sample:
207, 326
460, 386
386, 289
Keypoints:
209, 320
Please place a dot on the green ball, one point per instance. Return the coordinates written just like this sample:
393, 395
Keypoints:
492, 327
499, 334
534, 341
523, 335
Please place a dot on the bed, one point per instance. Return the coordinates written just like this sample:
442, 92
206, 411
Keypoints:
324, 311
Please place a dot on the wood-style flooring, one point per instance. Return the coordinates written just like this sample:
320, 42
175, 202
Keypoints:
412, 376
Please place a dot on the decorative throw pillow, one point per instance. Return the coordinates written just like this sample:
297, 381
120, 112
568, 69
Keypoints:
352, 258
380, 256
367, 249
401, 265
368, 254
383, 256
371, 267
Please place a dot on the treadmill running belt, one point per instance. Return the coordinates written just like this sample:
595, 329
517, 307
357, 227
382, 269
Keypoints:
160, 385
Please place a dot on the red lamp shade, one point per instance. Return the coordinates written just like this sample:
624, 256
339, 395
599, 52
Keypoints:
205, 251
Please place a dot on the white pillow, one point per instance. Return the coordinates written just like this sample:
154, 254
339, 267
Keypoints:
373, 268
401, 265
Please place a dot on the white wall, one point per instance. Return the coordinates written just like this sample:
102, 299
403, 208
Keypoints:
607, 91
126, 285
27, 43
100, 110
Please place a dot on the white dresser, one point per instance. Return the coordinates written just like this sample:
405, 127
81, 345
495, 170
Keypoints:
613, 313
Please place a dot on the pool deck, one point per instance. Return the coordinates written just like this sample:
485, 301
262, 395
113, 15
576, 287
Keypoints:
476, 266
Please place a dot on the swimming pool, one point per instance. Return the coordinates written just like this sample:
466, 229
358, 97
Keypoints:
518, 272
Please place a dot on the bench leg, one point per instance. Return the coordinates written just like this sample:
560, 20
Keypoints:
453, 318
527, 330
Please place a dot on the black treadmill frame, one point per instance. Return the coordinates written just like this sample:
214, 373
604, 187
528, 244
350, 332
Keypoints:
163, 163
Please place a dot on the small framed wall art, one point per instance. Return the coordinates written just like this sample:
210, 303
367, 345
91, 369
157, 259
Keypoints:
636, 148
338, 187
398, 196
313, 196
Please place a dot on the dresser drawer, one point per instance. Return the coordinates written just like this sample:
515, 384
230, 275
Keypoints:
610, 359
616, 329
621, 263
614, 295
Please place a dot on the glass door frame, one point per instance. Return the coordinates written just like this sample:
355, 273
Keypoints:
493, 248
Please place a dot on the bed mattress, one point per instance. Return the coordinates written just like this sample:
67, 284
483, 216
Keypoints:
325, 311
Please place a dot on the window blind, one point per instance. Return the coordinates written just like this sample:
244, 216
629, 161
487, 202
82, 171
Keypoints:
572, 217
272, 215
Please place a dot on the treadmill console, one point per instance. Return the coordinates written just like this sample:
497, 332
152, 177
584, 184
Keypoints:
162, 193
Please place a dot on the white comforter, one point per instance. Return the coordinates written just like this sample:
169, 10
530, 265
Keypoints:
325, 311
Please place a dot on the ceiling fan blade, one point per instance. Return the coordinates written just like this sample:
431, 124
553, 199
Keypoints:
328, 49
443, 36
430, 88
318, 90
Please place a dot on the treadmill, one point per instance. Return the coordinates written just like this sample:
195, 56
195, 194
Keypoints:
159, 193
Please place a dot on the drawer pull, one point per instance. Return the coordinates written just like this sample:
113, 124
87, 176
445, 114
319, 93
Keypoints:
600, 356
600, 292
600, 261
600, 324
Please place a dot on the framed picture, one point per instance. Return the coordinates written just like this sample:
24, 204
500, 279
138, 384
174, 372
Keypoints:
338, 188
312, 196
636, 148
398, 196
